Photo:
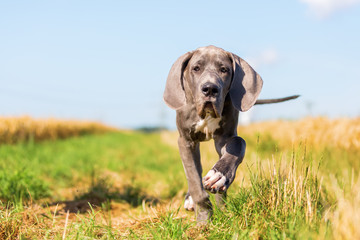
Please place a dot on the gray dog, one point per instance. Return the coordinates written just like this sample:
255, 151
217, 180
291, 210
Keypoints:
207, 88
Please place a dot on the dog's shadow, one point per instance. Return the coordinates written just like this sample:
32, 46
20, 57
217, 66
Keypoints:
100, 194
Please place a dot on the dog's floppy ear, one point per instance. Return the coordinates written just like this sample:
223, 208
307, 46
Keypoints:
174, 94
246, 84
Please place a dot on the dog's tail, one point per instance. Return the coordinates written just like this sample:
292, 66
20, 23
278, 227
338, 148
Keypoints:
275, 100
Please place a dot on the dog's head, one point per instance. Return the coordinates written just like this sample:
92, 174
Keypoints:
205, 77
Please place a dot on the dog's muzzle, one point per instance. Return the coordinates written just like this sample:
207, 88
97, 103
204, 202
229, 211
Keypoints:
209, 98
208, 108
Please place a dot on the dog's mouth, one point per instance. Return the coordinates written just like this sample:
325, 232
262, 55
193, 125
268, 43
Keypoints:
208, 109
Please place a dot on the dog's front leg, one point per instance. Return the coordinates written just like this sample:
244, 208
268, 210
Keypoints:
190, 155
231, 151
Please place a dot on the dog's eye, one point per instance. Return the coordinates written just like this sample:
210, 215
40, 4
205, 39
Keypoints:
196, 68
224, 70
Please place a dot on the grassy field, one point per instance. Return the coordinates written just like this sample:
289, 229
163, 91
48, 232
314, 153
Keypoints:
299, 180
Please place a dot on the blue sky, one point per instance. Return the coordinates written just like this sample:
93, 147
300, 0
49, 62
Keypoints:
108, 60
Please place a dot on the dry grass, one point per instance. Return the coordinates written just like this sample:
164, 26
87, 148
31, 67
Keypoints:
18, 129
340, 182
345, 217
114, 220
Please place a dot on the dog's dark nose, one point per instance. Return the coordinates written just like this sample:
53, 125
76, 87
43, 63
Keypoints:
210, 90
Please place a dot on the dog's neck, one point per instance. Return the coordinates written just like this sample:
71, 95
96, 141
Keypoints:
208, 126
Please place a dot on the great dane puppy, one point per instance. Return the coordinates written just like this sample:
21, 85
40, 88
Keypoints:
208, 87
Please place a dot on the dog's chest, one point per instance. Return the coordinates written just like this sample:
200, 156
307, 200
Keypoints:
208, 126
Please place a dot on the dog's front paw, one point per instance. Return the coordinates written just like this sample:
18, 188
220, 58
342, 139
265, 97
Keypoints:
189, 204
215, 182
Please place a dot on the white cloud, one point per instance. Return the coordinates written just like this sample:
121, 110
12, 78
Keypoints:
324, 8
267, 57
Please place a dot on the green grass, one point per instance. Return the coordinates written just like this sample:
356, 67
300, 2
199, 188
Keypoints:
138, 159
279, 193
21, 185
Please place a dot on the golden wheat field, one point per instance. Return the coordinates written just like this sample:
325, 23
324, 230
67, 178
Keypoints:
317, 132
17, 129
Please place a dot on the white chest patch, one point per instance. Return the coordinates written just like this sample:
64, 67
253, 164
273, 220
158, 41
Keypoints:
208, 125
